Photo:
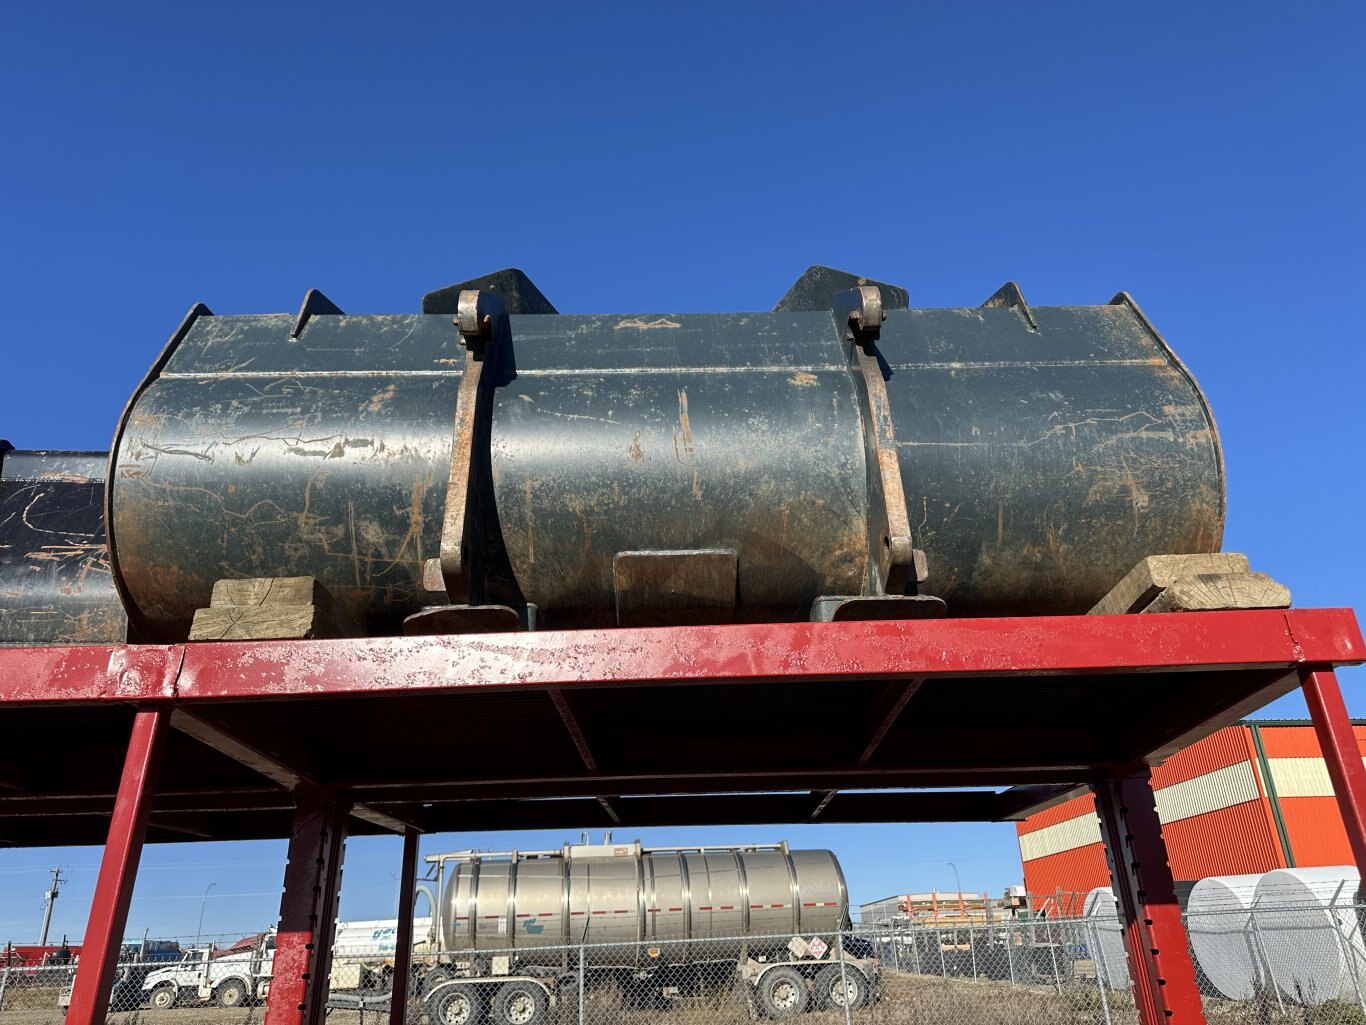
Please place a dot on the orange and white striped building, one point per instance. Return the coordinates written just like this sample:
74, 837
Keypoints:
1252, 797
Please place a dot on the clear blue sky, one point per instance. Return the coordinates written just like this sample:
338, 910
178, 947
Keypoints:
1205, 157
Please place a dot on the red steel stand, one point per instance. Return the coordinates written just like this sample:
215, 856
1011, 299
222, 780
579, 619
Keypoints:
1160, 963
403, 944
1341, 754
308, 909
119, 868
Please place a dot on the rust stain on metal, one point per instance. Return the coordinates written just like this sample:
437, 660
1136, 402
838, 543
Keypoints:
802, 379
684, 422
377, 400
637, 453
647, 325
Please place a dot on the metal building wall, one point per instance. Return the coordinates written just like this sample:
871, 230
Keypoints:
1219, 812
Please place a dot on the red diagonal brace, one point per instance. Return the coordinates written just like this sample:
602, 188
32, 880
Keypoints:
1341, 754
1159, 956
308, 909
403, 943
118, 869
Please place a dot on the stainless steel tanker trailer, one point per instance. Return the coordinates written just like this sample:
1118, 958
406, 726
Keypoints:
654, 923
491, 464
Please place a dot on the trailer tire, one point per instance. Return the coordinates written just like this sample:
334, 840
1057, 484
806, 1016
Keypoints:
519, 1003
232, 993
458, 1005
164, 997
431, 980
782, 992
831, 992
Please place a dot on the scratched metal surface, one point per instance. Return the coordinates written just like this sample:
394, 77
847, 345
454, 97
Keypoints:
55, 584
1039, 463
674, 432
254, 454
1040, 466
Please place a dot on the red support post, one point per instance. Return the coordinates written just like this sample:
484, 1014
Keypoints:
118, 868
308, 909
1341, 754
403, 944
1165, 990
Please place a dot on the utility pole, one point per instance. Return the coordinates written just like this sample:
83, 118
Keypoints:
51, 897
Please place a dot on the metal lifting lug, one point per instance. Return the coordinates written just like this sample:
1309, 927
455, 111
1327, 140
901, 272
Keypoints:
861, 311
475, 313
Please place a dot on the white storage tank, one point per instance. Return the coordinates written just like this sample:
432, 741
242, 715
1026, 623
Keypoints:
1308, 924
1105, 937
1223, 940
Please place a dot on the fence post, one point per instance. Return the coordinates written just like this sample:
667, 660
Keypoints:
581, 975
1010, 954
1347, 954
844, 978
939, 942
1261, 951
1093, 941
4, 983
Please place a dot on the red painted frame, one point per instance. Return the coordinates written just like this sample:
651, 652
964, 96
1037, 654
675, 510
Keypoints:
119, 869
1309, 642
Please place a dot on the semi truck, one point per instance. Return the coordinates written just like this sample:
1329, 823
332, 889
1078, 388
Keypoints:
512, 931
227, 980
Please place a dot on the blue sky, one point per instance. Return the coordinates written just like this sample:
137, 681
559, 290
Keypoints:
639, 157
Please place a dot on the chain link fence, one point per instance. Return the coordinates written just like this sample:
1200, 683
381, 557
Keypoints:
1259, 962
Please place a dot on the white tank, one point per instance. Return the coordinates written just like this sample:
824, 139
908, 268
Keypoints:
1105, 937
1222, 937
1307, 919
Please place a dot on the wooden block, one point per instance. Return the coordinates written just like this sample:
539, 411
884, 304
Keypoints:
268, 591
272, 608
1145, 581
1204, 592
262, 623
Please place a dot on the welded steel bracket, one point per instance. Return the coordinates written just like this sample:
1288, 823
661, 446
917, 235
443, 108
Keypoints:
314, 304
893, 567
675, 588
1009, 297
843, 608
482, 322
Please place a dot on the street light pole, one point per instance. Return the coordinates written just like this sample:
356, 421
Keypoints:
203, 900
957, 882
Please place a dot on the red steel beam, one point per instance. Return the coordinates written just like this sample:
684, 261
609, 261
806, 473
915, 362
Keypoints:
308, 909
118, 868
1165, 990
403, 943
1341, 754
749, 653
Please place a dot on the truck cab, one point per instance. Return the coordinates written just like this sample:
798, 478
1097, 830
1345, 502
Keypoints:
230, 979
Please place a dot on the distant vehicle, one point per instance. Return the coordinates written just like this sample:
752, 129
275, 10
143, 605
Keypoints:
673, 920
230, 979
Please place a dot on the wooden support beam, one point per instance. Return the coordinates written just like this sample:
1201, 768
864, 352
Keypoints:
1208, 592
1154, 574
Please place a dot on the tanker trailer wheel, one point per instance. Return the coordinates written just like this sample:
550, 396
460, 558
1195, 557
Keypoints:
459, 1005
164, 996
230, 994
783, 993
519, 1003
431, 980
832, 992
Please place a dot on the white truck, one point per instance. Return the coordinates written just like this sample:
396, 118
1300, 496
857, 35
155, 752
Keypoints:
227, 980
